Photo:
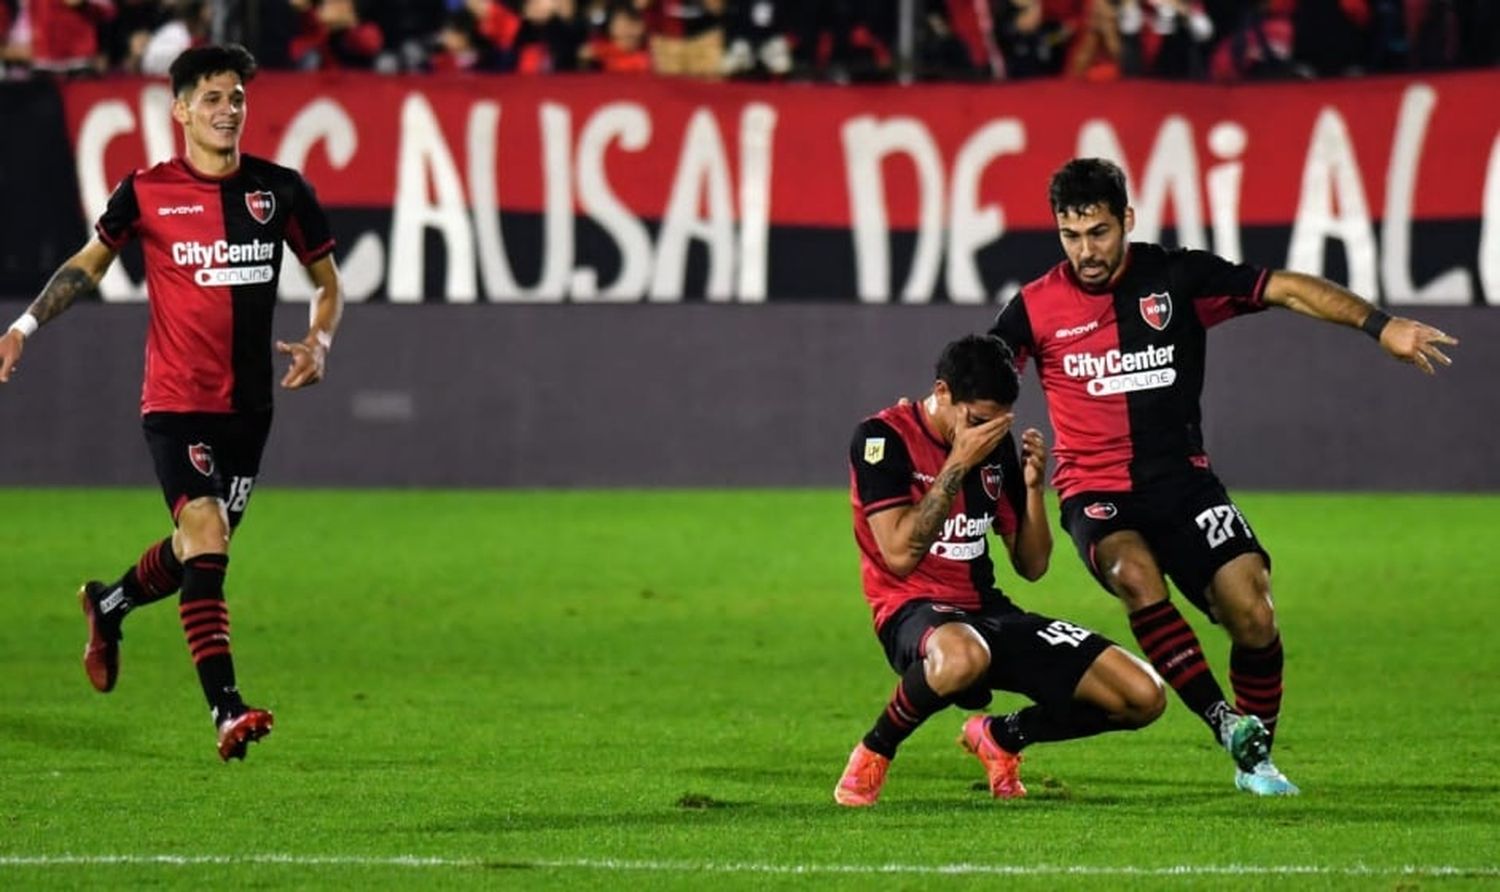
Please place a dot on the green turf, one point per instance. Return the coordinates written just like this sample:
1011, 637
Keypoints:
538, 688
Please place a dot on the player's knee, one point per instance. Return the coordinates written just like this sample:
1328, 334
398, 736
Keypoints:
202, 527
1136, 582
1145, 701
956, 661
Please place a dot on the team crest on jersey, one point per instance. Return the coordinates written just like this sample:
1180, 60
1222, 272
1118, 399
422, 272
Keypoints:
989, 475
1156, 309
202, 458
262, 205
874, 450
1101, 510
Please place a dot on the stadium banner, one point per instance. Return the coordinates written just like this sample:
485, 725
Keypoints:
601, 189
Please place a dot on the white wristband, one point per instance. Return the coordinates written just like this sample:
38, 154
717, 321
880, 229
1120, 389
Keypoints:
324, 339
26, 325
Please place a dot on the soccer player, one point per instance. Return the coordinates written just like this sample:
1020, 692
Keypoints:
928, 481
1117, 332
211, 223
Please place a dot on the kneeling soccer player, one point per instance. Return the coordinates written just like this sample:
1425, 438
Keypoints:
928, 481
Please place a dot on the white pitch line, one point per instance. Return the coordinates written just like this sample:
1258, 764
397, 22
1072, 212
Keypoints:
749, 867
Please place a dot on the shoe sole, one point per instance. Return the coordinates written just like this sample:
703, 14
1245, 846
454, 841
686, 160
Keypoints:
235, 742
101, 657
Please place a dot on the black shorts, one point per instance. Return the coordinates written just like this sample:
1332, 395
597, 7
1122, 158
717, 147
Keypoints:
1192, 527
200, 454
1038, 656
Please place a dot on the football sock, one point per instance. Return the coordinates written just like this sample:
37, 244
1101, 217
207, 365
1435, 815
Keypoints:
913, 701
1039, 724
1255, 675
155, 576
205, 622
1172, 647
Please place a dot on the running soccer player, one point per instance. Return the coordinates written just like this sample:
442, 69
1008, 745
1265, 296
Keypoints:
211, 223
1118, 334
928, 481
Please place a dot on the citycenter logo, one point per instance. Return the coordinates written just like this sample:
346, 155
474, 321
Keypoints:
215, 258
1119, 372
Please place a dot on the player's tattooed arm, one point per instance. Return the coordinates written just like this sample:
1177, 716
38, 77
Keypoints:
65, 286
933, 510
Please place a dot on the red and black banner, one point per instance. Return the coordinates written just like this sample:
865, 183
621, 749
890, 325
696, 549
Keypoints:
588, 189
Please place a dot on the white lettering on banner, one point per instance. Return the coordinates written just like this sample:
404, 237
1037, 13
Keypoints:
557, 258
362, 266
1489, 228
867, 144
1451, 287
757, 138
969, 226
702, 178
721, 193
1331, 176
1171, 171
423, 157
629, 124
1227, 141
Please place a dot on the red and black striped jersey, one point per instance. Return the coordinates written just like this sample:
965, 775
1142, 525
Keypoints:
894, 459
1123, 369
212, 249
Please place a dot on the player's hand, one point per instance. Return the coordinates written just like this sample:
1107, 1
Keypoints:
1416, 343
1033, 458
307, 365
10, 353
972, 443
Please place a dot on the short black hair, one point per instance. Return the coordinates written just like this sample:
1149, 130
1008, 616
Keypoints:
979, 367
196, 63
1088, 182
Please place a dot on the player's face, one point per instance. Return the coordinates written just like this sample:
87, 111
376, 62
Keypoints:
214, 113
977, 412
1094, 240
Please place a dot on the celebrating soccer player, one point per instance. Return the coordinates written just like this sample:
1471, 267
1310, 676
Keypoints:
1117, 332
929, 480
211, 223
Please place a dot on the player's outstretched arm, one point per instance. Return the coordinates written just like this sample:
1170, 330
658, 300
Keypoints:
1406, 339
79, 275
310, 355
1031, 546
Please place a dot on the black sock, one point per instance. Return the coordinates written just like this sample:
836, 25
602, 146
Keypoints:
155, 576
1172, 647
913, 701
1038, 724
205, 622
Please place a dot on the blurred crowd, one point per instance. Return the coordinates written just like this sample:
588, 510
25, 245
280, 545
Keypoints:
834, 40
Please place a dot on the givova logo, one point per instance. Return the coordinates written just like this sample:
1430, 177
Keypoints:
1119, 372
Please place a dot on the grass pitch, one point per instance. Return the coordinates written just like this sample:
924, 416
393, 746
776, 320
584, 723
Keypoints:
659, 689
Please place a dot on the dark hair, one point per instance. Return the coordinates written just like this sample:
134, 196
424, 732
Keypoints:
196, 63
979, 367
1088, 182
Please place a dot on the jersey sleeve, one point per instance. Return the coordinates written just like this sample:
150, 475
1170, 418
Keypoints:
1219, 289
121, 218
1013, 326
1011, 506
308, 233
881, 466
